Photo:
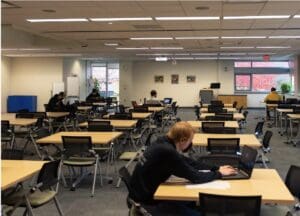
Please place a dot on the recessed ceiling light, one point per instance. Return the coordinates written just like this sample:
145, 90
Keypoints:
132, 48
188, 18
256, 17
166, 48
284, 37
121, 19
197, 38
111, 44
237, 47
152, 38
243, 37
273, 47
58, 20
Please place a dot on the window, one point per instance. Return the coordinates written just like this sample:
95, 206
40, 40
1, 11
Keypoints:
260, 77
105, 76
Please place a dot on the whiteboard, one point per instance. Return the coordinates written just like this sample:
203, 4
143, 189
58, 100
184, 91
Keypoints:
73, 86
58, 87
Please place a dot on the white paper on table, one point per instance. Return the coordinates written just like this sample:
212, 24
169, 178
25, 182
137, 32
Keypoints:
218, 185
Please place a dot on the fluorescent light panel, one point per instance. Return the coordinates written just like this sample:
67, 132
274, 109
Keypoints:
197, 38
161, 59
188, 18
153, 54
121, 19
256, 17
58, 20
296, 16
243, 37
111, 44
284, 37
233, 47
132, 48
44, 55
231, 54
25, 49
206, 58
152, 38
273, 47
204, 54
166, 48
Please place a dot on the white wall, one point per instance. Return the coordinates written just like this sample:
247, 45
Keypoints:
186, 94
35, 76
5, 81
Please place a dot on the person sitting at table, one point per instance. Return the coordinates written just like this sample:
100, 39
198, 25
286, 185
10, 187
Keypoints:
56, 104
272, 97
163, 159
153, 100
94, 96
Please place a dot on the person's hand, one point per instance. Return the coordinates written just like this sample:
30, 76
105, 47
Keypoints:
227, 170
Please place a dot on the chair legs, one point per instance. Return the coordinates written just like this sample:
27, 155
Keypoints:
95, 176
58, 206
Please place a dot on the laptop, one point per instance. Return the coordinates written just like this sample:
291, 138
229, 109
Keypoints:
246, 164
167, 100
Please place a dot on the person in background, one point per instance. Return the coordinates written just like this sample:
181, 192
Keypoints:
272, 97
163, 159
56, 104
153, 100
93, 96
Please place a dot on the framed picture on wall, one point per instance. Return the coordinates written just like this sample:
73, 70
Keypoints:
190, 79
174, 79
158, 79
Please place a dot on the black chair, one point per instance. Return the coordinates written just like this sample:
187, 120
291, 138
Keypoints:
223, 145
265, 148
243, 122
291, 100
217, 160
197, 112
210, 124
259, 129
134, 207
100, 126
12, 154
25, 115
121, 116
42, 192
140, 109
296, 110
292, 182
222, 205
7, 134
241, 109
234, 104
216, 109
217, 103
78, 152
214, 130
224, 116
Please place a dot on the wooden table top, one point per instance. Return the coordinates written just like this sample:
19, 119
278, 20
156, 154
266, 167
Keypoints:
116, 123
98, 138
11, 117
16, 171
237, 116
225, 105
200, 139
229, 109
57, 114
284, 110
99, 103
198, 124
293, 116
155, 109
84, 108
135, 115
264, 182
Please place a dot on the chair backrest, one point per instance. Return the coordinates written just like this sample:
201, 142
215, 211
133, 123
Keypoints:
121, 116
134, 103
48, 175
284, 106
234, 104
121, 108
216, 160
291, 100
140, 109
245, 113
266, 140
76, 145
217, 103
224, 116
296, 110
211, 124
216, 109
292, 180
25, 115
222, 205
241, 109
12, 154
223, 145
259, 128
99, 126
4, 127
197, 111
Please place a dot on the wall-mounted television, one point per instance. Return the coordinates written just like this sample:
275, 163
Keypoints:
215, 85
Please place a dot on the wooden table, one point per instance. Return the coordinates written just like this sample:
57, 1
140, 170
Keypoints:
84, 108
225, 105
200, 139
264, 182
57, 114
198, 124
135, 115
98, 138
116, 123
155, 109
16, 171
281, 114
229, 110
11, 117
99, 103
237, 116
